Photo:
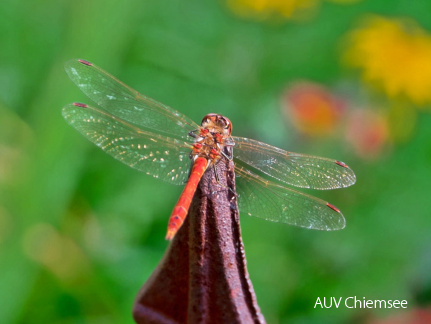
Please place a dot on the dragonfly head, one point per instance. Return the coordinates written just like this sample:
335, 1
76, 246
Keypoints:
217, 123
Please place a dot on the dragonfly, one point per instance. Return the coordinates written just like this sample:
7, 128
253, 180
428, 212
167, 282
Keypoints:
158, 140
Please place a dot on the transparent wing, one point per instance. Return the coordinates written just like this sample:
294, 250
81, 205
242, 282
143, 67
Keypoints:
300, 170
157, 155
122, 101
267, 200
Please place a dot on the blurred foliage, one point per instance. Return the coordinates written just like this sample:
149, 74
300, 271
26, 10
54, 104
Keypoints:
80, 232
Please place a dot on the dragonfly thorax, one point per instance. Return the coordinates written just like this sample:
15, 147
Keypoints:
214, 132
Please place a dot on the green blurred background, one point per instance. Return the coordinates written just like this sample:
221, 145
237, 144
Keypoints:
80, 232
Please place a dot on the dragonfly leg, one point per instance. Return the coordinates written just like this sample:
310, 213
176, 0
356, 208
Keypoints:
218, 182
229, 141
226, 156
232, 202
193, 133
227, 153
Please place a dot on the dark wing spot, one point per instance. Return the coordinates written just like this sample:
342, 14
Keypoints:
333, 207
78, 104
344, 165
85, 62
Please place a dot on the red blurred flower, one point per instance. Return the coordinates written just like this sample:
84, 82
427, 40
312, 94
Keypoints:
367, 131
312, 109
415, 316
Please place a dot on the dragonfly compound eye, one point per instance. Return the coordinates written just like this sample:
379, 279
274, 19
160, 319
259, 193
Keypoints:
225, 122
208, 118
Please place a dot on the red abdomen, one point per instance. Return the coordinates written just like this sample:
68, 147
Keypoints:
182, 207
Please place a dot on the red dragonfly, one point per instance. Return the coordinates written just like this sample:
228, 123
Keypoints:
160, 141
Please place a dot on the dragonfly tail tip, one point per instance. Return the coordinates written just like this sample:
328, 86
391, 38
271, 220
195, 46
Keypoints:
170, 235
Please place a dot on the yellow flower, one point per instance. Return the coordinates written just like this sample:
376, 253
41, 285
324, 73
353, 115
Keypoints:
344, 1
285, 9
394, 55
269, 8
